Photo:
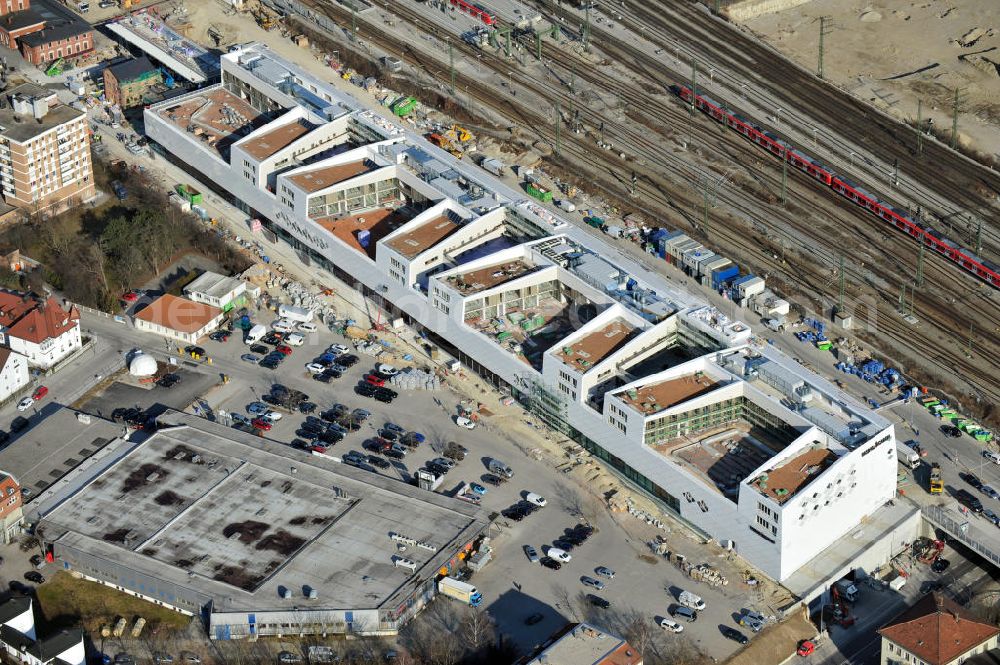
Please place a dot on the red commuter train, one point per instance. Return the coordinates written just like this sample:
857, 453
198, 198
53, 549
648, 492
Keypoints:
985, 270
476, 10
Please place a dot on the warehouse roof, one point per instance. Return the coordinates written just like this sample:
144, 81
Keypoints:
238, 518
180, 314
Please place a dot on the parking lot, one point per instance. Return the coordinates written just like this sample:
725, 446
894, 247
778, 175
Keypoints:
644, 586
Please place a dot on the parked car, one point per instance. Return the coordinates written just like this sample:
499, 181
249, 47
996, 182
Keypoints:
25, 404
550, 563
604, 571
734, 635
477, 488
597, 601
671, 625
940, 565
375, 380
257, 408
259, 349
531, 553
992, 517
34, 576
559, 555
250, 358
971, 479
261, 424
536, 499
393, 427
42, 391
462, 421
969, 501
591, 582
377, 461
338, 349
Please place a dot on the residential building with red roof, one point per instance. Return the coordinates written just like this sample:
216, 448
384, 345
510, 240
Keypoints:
179, 318
936, 631
39, 329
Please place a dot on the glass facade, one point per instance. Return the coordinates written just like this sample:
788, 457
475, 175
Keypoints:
737, 409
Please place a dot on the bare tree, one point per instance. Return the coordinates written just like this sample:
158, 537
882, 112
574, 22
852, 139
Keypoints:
478, 629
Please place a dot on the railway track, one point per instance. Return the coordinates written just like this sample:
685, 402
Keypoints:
940, 179
655, 189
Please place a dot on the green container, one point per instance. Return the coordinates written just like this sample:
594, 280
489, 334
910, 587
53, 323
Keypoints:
189, 193
983, 435
947, 413
404, 107
539, 192
596, 222
824, 345
504, 336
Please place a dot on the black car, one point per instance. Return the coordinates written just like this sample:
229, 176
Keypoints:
549, 562
490, 479
219, 336
597, 601
394, 454
386, 397
347, 360
332, 373
969, 501
393, 427
388, 435
438, 469
259, 349
267, 363
322, 377
375, 460
307, 434
354, 459
194, 350
34, 576
365, 390
564, 545
734, 635
168, 380
329, 416
329, 437
940, 565
951, 431
971, 479
312, 426
307, 407
271, 338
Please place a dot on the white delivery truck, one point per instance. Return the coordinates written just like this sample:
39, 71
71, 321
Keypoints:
459, 590
255, 333
295, 314
694, 601
907, 456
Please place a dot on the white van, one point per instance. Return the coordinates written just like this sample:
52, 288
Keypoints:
308, 327
558, 554
282, 326
691, 600
295, 339
991, 456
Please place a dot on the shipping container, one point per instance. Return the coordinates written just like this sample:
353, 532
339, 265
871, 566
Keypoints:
722, 276
494, 166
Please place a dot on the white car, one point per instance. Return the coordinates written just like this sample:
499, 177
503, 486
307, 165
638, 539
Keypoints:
315, 368
536, 499
282, 326
462, 421
386, 370
295, 339
308, 327
338, 349
559, 555
25, 404
671, 625
271, 416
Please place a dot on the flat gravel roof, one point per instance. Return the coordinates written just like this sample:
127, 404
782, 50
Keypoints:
237, 518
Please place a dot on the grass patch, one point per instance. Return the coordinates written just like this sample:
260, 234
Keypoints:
67, 602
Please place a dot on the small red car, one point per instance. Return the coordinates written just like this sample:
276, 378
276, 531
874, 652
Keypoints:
130, 296
261, 424
283, 349
318, 449
40, 392
373, 380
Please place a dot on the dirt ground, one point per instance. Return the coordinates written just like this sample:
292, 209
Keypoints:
874, 49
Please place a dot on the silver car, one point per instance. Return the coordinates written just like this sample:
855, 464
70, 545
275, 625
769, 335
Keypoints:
604, 571
591, 582
531, 553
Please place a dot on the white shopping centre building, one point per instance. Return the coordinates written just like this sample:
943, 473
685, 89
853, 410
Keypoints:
722, 430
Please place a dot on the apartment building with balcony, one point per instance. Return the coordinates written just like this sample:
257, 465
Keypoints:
45, 161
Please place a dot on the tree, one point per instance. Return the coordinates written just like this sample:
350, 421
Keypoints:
478, 630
